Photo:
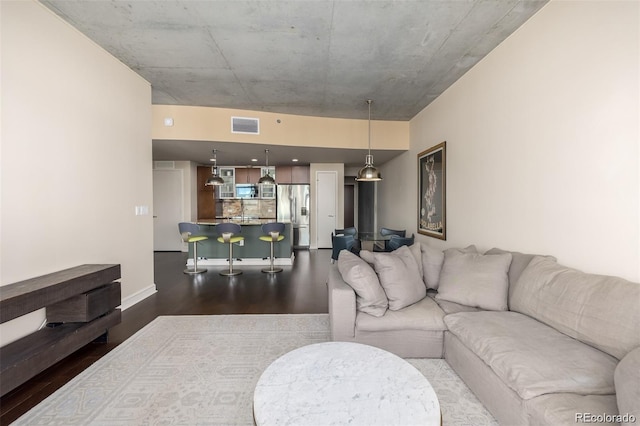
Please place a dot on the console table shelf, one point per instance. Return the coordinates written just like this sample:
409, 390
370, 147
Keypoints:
81, 306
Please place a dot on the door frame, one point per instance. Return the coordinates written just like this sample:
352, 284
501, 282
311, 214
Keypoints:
180, 174
317, 206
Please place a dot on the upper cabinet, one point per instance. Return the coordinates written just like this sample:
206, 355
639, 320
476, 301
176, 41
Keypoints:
292, 174
247, 175
228, 190
300, 174
267, 190
283, 174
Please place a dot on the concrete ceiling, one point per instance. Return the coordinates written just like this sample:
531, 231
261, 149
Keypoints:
306, 57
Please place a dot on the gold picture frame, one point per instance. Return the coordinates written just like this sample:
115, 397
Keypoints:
432, 176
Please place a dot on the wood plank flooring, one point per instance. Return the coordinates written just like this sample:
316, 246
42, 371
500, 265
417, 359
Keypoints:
299, 289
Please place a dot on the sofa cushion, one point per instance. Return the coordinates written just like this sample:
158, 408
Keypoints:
452, 307
531, 358
519, 261
474, 279
432, 260
423, 315
416, 251
562, 409
627, 380
370, 297
599, 310
399, 276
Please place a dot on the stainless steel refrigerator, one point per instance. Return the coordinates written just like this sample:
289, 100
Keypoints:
293, 206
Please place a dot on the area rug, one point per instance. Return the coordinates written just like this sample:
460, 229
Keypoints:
202, 370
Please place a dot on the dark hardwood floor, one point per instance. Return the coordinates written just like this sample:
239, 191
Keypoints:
299, 289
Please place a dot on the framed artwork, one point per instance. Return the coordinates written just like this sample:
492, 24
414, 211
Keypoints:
432, 173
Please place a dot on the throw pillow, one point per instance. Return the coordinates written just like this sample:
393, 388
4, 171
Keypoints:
367, 256
400, 277
475, 279
432, 260
370, 297
416, 251
519, 262
431, 265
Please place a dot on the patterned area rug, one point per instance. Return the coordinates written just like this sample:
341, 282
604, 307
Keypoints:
201, 370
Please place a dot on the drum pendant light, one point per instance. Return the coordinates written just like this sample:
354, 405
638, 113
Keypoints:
214, 180
369, 173
266, 179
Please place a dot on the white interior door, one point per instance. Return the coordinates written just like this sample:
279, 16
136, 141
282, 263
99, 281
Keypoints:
326, 203
167, 209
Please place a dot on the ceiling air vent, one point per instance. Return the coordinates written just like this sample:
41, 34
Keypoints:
245, 125
163, 165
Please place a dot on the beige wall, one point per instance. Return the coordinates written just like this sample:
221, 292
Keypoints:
76, 157
542, 143
214, 124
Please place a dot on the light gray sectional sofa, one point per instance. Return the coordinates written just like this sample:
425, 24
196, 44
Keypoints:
538, 343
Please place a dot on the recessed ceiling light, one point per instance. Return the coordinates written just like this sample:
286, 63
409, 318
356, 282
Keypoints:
295, 160
255, 160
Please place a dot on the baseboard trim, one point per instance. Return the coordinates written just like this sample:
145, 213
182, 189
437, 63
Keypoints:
139, 296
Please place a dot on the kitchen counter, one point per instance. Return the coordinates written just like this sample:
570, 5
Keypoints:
239, 220
251, 251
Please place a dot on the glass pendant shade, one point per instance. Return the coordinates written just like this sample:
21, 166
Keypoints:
369, 173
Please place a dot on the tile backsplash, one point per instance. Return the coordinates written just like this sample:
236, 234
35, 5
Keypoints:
249, 208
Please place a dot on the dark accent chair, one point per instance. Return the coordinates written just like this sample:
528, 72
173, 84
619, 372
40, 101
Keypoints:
351, 231
388, 231
397, 242
347, 231
339, 243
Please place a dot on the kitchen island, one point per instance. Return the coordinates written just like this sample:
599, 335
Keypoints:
251, 251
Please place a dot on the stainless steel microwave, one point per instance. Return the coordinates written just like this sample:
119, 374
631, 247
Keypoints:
247, 191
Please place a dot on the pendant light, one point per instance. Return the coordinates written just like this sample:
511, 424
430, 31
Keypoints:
266, 179
369, 173
214, 180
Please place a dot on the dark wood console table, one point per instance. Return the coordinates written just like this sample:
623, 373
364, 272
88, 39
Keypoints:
81, 306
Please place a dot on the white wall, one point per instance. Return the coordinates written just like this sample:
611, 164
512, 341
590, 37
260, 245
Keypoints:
76, 157
542, 143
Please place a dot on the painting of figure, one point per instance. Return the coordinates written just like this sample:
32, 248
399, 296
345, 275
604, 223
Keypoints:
431, 190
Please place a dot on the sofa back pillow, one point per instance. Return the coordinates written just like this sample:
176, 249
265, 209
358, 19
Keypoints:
432, 260
601, 311
399, 276
370, 297
474, 279
519, 262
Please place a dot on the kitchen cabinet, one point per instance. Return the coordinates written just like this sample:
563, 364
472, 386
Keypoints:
247, 175
206, 195
283, 174
300, 174
268, 191
293, 174
228, 190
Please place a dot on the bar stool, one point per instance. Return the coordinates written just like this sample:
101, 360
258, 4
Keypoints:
190, 233
272, 233
227, 232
